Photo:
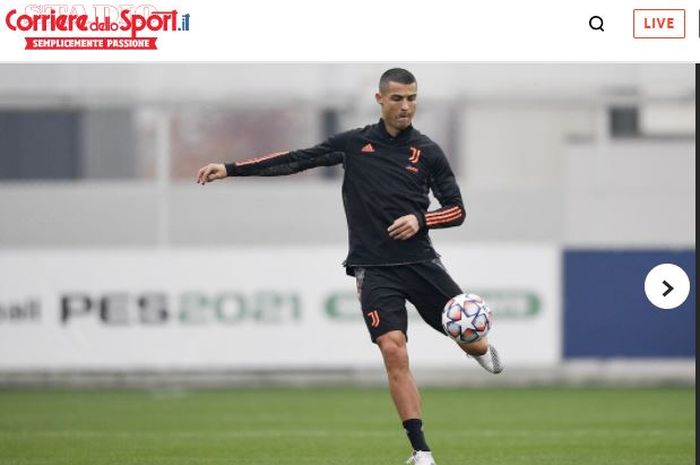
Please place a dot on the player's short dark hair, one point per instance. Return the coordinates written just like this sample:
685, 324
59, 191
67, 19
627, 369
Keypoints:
400, 75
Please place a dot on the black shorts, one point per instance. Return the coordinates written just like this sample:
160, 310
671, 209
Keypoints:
383, 291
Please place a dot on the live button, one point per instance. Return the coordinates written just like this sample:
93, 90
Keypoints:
659, 24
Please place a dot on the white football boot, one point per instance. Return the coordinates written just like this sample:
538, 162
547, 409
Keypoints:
489, 361
421, 457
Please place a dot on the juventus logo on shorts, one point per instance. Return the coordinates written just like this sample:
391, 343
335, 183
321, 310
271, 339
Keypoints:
373, 318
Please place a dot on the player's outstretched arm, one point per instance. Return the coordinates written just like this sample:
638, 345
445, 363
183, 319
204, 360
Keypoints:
328, 153
211, 172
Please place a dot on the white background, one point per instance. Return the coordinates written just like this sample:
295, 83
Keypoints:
313, 342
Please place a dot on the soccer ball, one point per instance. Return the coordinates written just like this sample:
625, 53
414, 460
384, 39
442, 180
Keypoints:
466, 318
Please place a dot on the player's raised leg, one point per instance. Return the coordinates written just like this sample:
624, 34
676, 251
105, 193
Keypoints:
432, 289
466, 320
484, 353
404, 392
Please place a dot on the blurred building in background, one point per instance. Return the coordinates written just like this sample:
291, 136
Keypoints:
577, 179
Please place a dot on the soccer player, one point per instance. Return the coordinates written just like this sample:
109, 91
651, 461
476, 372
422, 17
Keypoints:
389, 169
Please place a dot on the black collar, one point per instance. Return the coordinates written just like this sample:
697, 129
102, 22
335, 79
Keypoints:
402, 136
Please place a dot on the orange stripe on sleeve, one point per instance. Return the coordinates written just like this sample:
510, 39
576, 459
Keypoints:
444, 219
262, 158
441, 213
436, 215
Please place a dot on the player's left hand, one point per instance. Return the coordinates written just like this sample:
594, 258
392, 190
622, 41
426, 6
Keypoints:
404, 227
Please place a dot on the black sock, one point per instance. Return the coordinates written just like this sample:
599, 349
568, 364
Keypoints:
414, 430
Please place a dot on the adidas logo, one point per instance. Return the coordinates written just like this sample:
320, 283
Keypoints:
367, 148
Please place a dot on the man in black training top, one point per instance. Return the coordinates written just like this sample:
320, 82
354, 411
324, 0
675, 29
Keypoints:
389, 169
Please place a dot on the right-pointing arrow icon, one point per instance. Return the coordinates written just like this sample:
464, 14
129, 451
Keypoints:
667, 297
669, 288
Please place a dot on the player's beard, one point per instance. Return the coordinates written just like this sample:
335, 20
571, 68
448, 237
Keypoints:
403, 122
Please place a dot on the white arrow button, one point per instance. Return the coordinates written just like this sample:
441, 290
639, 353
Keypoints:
667, 286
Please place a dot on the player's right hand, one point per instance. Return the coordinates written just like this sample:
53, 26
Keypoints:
211, 172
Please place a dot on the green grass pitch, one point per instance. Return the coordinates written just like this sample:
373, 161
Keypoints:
556, 426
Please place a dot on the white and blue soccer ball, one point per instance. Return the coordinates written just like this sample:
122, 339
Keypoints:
466, 318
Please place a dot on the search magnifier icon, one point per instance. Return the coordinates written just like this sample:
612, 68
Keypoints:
596, 23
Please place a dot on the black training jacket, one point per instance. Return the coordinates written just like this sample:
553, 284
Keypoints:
385, 178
